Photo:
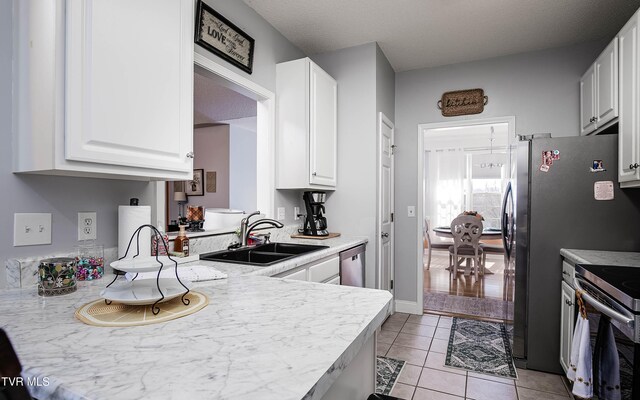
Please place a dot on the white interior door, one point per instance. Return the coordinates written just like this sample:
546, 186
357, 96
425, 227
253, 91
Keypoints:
385, 203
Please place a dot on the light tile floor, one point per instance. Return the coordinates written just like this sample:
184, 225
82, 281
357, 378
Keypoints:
422, 342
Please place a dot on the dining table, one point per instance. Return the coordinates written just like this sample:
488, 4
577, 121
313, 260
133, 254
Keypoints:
487, 234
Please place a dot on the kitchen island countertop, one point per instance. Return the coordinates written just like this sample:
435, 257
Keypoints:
259, 338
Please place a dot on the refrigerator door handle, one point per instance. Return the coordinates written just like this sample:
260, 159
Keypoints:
507, 243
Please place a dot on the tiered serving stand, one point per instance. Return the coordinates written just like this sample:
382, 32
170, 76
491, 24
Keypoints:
145, 291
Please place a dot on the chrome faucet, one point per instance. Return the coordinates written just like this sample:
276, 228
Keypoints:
246, 228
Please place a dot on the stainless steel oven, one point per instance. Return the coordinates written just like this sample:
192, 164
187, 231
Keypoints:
611, 292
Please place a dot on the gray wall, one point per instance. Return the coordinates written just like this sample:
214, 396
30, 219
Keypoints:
362, 91
242, 169
64, 196
385, 86
540, 89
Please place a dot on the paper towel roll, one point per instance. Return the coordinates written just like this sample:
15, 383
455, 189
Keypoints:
131, 218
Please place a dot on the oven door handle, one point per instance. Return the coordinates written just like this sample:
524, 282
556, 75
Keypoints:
606, 310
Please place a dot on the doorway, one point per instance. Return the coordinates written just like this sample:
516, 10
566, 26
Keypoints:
264, 138
465, 167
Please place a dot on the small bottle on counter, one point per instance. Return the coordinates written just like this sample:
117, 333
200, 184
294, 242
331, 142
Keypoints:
181, 242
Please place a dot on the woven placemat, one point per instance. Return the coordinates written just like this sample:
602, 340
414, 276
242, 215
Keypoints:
98, 313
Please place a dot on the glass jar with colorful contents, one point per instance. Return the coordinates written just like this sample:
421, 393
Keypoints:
89, 261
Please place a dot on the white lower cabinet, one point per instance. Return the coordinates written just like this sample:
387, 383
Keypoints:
325, 271
567, 317
334, 281
298, 275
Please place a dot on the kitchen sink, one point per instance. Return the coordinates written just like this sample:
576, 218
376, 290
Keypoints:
262, 255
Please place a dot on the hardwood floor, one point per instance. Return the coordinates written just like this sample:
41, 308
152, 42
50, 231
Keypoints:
444, 294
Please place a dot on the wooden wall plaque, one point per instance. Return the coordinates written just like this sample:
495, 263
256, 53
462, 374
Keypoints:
462, 102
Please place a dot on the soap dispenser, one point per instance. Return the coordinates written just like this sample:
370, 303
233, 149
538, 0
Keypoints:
181, 242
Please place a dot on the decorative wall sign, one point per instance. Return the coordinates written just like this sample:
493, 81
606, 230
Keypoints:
195, 186
462, 102
218, 35
211, 181
603, 190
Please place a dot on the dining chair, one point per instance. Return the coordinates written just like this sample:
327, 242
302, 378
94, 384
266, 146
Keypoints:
466, 231
10, 368
432, 244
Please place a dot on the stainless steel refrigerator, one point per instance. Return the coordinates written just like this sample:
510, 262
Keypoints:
556, 208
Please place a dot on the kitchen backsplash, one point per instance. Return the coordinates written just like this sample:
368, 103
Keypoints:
22, 273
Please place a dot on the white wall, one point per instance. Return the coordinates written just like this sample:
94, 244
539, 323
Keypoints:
242, 168
540, 89
63, 196
351, 209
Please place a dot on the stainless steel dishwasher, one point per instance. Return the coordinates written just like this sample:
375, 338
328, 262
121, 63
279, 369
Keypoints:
352, 266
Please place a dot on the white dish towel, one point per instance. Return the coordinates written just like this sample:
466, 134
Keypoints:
192, 273
609, 365
575, 350
580, 370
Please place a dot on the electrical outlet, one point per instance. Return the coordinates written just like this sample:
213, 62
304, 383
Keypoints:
411, 211
281, 214
296, 212
87, 225
31, 229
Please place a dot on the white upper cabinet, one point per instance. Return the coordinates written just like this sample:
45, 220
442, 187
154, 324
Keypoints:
307, 126
628, 130
587, 102
115, 79
606, 69
599, 91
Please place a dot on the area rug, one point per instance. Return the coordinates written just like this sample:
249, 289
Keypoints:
485, 308
387, 372
481, 347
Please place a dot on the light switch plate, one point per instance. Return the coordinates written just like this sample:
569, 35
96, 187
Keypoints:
87, 225
411, 211
30, 229
296, 212
281, 214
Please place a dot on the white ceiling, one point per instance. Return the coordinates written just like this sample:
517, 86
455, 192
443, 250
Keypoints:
215, 103
426, 33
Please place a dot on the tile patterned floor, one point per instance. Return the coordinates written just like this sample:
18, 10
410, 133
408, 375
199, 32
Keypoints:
422, 341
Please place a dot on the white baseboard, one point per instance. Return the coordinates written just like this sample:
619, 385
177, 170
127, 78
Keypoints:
409, 307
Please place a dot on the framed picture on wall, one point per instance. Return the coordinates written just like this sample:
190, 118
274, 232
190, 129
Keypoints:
195, 187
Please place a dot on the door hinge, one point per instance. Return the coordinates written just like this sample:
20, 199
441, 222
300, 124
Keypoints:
392, 284
391, 217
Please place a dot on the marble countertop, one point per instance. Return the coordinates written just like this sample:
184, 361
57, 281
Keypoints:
600, 257
259, 338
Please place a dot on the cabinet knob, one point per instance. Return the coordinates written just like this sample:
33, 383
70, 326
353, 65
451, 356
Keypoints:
568, 302
314, 174
385, 235
190, 154
633, 166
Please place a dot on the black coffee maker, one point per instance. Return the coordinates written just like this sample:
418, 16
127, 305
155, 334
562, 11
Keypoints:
315, 224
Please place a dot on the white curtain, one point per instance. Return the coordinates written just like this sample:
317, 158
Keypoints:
444, 191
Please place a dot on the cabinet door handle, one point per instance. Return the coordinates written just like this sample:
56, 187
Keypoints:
190, 154
568, 302
314, 174
565, 273
384, 235
633, 166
